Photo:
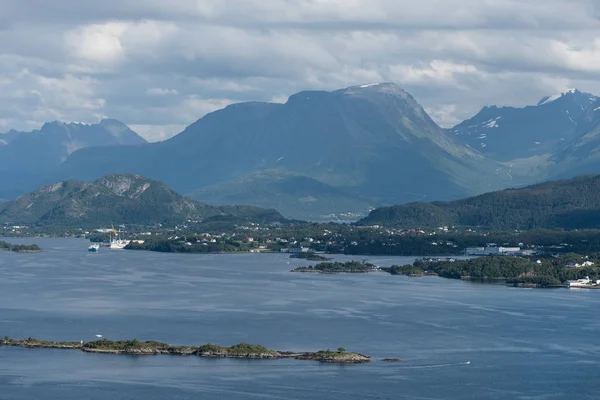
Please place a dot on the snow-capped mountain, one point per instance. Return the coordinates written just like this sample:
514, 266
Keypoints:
508, 133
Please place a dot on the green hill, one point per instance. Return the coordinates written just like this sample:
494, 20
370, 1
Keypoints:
567, 204
122, 199
295, 196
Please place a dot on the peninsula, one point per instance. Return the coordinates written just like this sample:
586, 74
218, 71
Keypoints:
136, 347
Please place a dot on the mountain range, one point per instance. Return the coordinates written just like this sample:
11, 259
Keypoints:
564, 204
26, 156
509, 133
123, 199
373, 141
323, 155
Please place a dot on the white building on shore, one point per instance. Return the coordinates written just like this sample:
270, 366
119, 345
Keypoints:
492, 250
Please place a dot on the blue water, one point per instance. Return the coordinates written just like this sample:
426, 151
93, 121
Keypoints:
521, 343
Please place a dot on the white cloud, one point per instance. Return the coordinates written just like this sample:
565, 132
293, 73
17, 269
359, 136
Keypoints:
161, 92
437, 72
98, 42
160, 65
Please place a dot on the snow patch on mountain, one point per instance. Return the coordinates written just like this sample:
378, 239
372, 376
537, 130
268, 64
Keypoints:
550, 99
369, 85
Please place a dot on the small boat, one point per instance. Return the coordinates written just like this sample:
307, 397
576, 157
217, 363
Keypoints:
94, 247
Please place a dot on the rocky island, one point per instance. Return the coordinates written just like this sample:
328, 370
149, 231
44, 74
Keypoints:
19, 248
310, 256
136, 347
354, 267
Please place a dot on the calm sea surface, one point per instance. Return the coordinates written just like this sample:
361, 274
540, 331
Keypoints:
521, 343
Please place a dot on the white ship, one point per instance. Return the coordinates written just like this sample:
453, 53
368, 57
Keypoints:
584, 283
115, 240
94, 247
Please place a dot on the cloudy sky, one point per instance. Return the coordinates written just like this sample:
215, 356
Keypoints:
160, 65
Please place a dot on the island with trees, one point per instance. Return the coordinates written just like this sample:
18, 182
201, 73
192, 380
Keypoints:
354, 267
19, 248
136, 347
542, 271
310, 256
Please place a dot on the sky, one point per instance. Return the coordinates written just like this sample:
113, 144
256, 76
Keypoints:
160, 65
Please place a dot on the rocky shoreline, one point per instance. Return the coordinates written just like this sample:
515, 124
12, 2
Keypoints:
137, 348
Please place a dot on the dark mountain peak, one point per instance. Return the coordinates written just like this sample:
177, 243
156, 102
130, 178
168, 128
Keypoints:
314, 95
370, 90
52, 125
378, 89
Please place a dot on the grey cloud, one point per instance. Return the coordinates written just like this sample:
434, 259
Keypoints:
82, 61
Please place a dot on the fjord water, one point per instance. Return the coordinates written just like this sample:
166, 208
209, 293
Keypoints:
521, 343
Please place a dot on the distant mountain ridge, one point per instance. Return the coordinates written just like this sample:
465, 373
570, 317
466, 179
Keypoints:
55, 141
355, 147
26, 158
374, 141
509, 133
112, 199
567, 204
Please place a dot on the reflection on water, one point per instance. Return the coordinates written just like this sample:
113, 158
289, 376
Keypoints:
520, 343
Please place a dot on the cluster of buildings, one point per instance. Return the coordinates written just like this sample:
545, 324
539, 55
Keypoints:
578, 265
586, 283
497, 251
15, 228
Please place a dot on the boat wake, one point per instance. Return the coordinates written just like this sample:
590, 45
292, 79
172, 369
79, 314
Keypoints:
428, 366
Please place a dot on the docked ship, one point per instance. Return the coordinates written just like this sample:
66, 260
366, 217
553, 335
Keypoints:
115, 240
585, 283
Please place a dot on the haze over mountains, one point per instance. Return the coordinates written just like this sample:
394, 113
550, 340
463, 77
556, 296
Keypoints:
324, 153
25, 157
55, 141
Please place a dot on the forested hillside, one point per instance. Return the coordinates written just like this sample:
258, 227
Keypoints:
567, 204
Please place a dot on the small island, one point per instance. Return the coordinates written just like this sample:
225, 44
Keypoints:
351, 267
19, 248
136, 347
310, 256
